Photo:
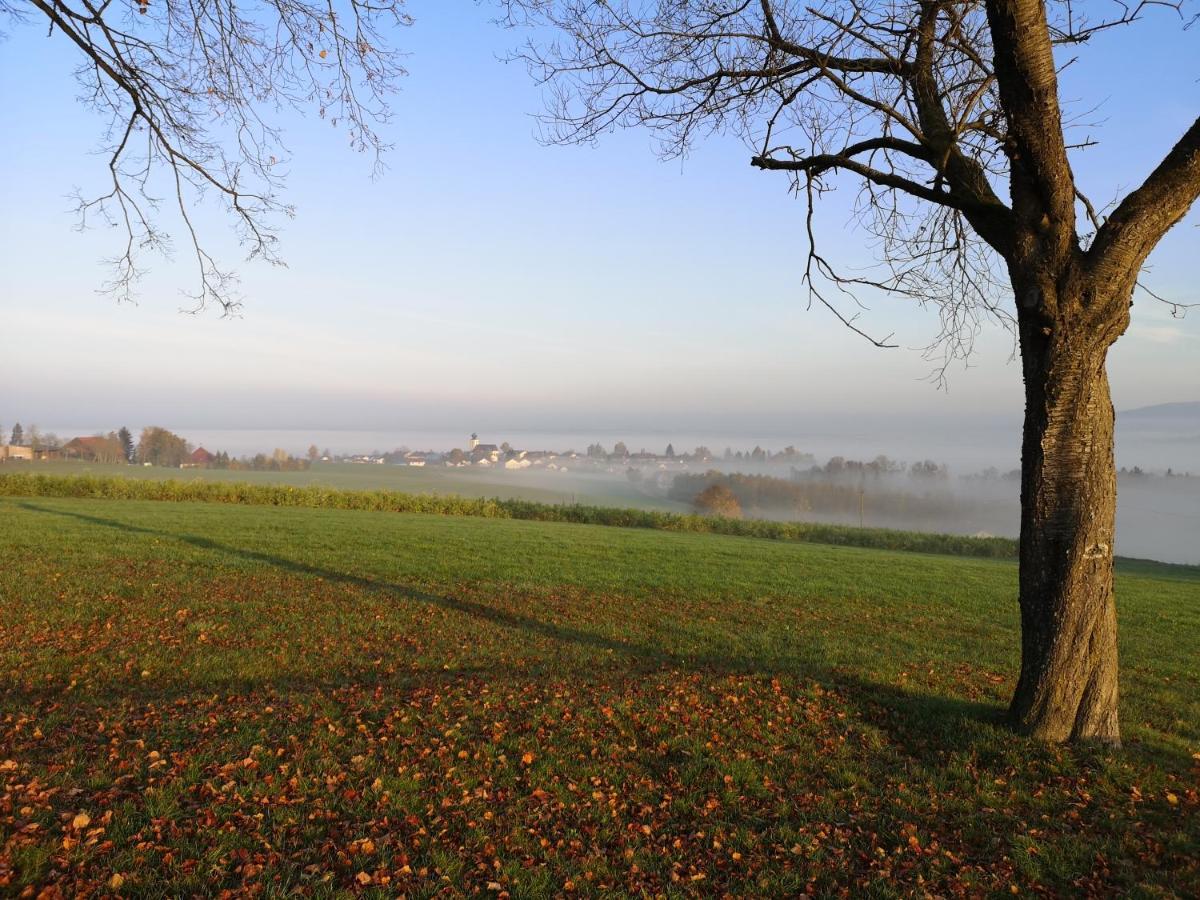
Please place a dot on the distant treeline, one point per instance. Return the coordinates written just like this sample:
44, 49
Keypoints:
766, 495
279, 461
157, 446
317, 497
840, 467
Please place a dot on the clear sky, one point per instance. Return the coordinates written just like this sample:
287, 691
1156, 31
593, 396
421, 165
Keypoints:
487, 281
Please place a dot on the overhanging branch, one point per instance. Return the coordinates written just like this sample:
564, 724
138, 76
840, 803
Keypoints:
1145, 215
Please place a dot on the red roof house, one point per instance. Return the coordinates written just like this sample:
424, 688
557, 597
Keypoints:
95, 448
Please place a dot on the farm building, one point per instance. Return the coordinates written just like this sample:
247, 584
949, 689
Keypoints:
201, 458
94, 448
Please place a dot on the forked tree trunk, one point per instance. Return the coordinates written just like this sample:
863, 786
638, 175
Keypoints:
1068, 684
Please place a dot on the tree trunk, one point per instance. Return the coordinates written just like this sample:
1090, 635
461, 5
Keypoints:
1068, 684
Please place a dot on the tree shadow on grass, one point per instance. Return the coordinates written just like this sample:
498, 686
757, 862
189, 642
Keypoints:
926, 726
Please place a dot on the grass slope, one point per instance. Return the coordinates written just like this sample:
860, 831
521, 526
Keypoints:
538, 485
321, 497
199, 697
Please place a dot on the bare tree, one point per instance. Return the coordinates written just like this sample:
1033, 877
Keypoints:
188, 88
946, 115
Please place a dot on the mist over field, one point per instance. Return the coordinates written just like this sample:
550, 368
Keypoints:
975, 491
1154, 438
1157, 517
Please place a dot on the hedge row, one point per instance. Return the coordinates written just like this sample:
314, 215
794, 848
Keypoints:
318, 497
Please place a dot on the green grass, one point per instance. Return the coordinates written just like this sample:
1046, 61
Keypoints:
537, 485
315, 496
344, 701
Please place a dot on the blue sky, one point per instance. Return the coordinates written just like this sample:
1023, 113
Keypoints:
491, 281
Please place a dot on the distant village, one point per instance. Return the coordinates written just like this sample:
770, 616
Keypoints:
157, 446
595, 456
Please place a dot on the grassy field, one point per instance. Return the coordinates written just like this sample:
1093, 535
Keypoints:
538, 485
93, 487
200, 697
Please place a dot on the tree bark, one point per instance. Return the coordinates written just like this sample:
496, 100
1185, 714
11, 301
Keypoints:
1068, 684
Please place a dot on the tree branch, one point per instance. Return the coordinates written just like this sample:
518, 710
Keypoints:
1042, 184
823, 162
1145, 215
967, 178
183, 85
